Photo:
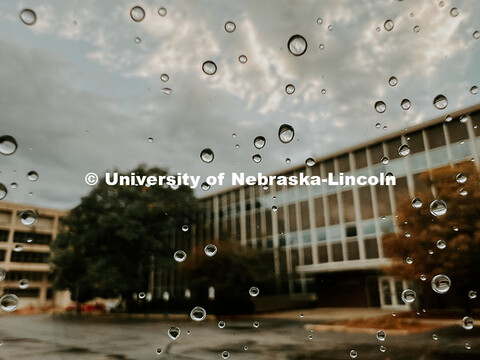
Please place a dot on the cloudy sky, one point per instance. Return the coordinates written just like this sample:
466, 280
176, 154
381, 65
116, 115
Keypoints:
80, 95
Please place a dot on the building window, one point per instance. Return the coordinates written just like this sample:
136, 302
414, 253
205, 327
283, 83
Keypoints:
371, 249
29, 257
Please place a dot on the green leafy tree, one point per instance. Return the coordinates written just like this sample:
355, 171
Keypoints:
111, 242
459, 228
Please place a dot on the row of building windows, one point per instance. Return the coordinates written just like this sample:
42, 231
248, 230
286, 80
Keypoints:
26, 237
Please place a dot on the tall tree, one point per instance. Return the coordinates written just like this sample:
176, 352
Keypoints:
109, 244
440, 244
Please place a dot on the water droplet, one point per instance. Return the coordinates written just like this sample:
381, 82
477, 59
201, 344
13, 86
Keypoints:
378, 29
289, 89
455, 228
409, 260
256, 324
162, 11
180, 256
353, 354
384, 160
32, 175
454, 12
405, 104
288, 160
205, 186
463, 192
441, 244
448, 118
423, 277
274, 208
474, 90
476, 34
392, 81
18, 247
380, 107
404, 150
430, 252
383, 348
23, 284
221, 324
461, 178
174, 332
417, 203
8, 145
468, 346
381, 335
254, 291
164, 77
388, 25
209, 67
137, 13
310, 162
286, 133
141, 295
438, 207
441, 3
210, 250
9, 302
3, 191
185, 228
407, 234
394, 314
319, 21
207, 155
137, 40
14, 185
198, 313
3, 273
323, 91
245, 348
408, 296
463, 119
472, 294
225, 354
441, 283
230, 26
256, 158
467, 323
377, 125
297, 45
310, 337
237, 146
330, 27
150, 139
167, 91
440, 102
435, 337
28, 217
321, 46
28, 16
416, 28
242, 59
159, 351
259, 142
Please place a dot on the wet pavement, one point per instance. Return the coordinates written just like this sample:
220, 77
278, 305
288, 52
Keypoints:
286, 337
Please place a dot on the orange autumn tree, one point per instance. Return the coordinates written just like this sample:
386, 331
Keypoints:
447, 244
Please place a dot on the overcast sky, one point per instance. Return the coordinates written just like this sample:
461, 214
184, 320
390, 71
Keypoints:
80, 95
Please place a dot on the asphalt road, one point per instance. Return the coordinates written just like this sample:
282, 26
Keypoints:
88, 338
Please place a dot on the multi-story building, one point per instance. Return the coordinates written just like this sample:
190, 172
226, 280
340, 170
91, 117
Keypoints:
326, 239
25, 251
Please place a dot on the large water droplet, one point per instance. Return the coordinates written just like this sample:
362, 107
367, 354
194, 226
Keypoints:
474, 90
405, 104
288, 160
256, 324
18, 247
392, 81
209, 67
23, 284
230, 26
242, 59
467, 323
441, 283
409, 260
441, 244
438, 207
8, 145
159, 351
207, 155
137, 13
259, 142
416, 29
185, 228
384, 160
440, 102
297, 45
286, 133
180, 256
164, 77
476, 35
254, 291
353, 354
461, 178
174, 332
454, 12
290, 89
28, 217
32, 175
28, 16
404, 150
205, 186
472, 294
221, 324
423, 277
383, 348
408, 296
380, 107
198, 314
381, 335
310, 162
388, 25
210, 250
9, 302
256, 158
3, 273
319, 21
225, 354
162, 11
417, 203
3, 191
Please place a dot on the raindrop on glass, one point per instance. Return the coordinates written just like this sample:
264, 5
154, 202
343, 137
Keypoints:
205, 186
380, 107
472, 294
162, 11
150, 139
416, 28
8, 145
435, 337
353, 354
310, 162
185, 228
254, 291
159, 351
474, 90
319, 21
438, 207
18, 247
32, 176
463, 192
441, 283
3, 273
388, 25
210, 250
9, 302
463, 119
274, 208
259, 142
180, 256
225, 354
383, 348
384, 160
209, 67
242, 59
409, 260
330, 27
198, 314
392, 81
164, 77
167, 91
441, 244
256, 324
230, 26
137, 13
288, 160
28, 217
417, 203
23, 284
476, 35
221, 324
423, 277
3, 191
256, 158
405, 104
174, 332
321, 46
408, 296
286, 133
297, 45
381, 335
454, 12
461, 178
468, 346
28, 16
377, 125
137, 40
207, 155
404, 150
440, 102
289, 89
467, 323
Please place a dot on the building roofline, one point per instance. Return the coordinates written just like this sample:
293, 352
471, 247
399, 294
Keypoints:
395, 134
40, 209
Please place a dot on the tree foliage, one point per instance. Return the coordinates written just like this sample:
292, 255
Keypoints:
459, 227
111, 240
